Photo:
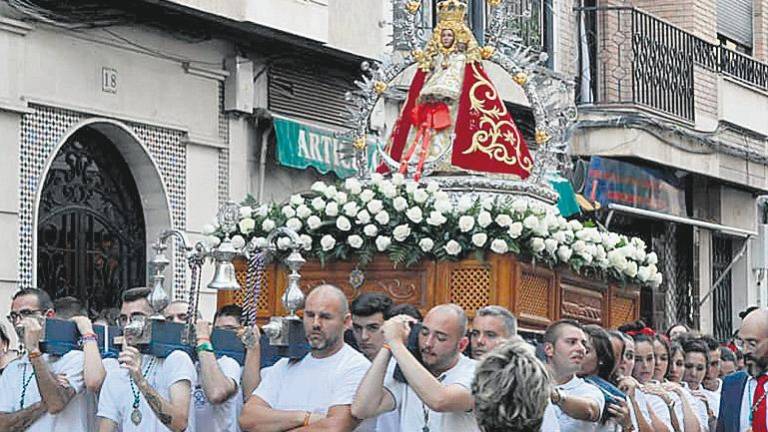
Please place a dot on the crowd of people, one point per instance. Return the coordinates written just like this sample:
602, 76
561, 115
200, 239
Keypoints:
377, 366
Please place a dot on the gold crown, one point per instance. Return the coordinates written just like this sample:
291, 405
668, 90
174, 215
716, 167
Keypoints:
451, 10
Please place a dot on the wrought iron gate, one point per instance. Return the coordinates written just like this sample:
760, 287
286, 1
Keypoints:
91, 236
722, 255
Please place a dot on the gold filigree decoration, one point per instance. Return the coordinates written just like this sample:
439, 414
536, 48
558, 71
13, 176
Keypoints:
493, 3
491, 139
541, 137
487, 52
520, 78
379, 87
359, 143
413, 6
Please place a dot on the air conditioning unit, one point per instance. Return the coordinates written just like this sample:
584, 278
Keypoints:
760, 248
238, 87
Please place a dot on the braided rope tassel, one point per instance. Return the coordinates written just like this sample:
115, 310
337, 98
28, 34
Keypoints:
254, 280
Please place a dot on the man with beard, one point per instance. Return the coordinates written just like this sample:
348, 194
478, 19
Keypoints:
314, 393
743, 401
578, 404
436, 395
492, 326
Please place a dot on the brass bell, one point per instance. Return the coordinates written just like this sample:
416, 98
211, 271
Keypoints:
225, 278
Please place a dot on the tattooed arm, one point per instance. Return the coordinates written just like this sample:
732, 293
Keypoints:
21, 420
174, 414
106, 425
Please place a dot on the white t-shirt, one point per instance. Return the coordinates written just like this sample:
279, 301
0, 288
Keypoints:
222, 417
579, 388
75, 415
412, 410
116, 398
313, 384
657, 405
714, 397
549, 422
388, 422
697, 406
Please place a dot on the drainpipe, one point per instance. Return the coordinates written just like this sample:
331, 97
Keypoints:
761, 203
263, 162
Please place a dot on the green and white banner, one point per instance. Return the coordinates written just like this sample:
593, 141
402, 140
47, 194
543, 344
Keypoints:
300, 146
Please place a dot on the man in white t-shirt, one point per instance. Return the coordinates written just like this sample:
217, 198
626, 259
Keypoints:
712, 384
492, 326
578, 404
314, 393
40, 392
146, 393
437, 396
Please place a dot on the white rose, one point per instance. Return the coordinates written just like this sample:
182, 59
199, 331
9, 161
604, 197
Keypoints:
644, 274
503, 220
208, 229
401, 232
515, 230
341, 197
499, 246
352, 185
442, 196
261, 210
376, 178
355, 241
370, 230
420, 196
294, 224
363, 217
564, 253
327, 242
260, 242
575, 225
283, 243
388, 189
452, 247
382, 217
332, 209
246, 225
443, 206
465, 203
617, 260
238, 242
319, 187
426, 244
651, 258
313, 222
382, 243
288, 212
350, 209
436, 218
479, 239
531, 222
306, 241
610, 240
488, 202
318, 203
343, 224
400, 204
213, 241
267, 225
432, 187
303, 211
657, 279
537, 244
366, 195
296, 200
600, 254
559, 236
520, 205
245, 212
375, 206
414, 214
551, 222
640, 254
550, 245
579, 246
466, 223
330, 192
410, 186
397, 179
631, 269
484, 219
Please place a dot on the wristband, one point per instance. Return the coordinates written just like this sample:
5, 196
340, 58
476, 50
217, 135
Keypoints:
34, 354
307, 416
387, 347
204, 346
88, 337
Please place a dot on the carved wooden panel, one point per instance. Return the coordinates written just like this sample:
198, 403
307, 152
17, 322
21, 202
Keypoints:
535, 296
624, 306
584, 305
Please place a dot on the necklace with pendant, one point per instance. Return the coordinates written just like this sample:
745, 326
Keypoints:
136, 414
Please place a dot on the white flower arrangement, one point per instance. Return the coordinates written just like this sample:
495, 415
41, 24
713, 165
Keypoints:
410, 221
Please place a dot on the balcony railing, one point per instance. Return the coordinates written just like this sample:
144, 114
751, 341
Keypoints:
628, 57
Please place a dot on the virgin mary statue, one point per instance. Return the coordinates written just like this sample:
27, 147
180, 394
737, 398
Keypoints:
452, 105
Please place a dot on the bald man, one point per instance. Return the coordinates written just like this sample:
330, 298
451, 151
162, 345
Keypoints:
314, 393
743, 401
437, 396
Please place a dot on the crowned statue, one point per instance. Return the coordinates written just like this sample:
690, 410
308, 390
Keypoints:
453, 108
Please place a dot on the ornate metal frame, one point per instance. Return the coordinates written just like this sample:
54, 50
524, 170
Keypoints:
548, 92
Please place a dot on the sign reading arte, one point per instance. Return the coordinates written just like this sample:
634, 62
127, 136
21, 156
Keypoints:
301, 146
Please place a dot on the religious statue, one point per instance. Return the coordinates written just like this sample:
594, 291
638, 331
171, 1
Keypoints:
453, 106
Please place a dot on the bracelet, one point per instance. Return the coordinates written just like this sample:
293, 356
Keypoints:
88, 337
204, 346
387, 347
307, 416
34, 354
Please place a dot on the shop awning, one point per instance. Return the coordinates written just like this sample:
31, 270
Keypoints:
725, 229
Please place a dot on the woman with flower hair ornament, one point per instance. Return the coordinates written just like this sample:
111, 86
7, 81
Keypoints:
452, 105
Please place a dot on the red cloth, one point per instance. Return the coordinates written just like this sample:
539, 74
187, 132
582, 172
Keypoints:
470, 122
434, 115
758, 419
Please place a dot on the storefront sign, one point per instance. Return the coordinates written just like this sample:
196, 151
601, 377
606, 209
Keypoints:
301, 146
612, 181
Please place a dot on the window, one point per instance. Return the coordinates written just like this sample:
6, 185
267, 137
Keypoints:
734, 24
